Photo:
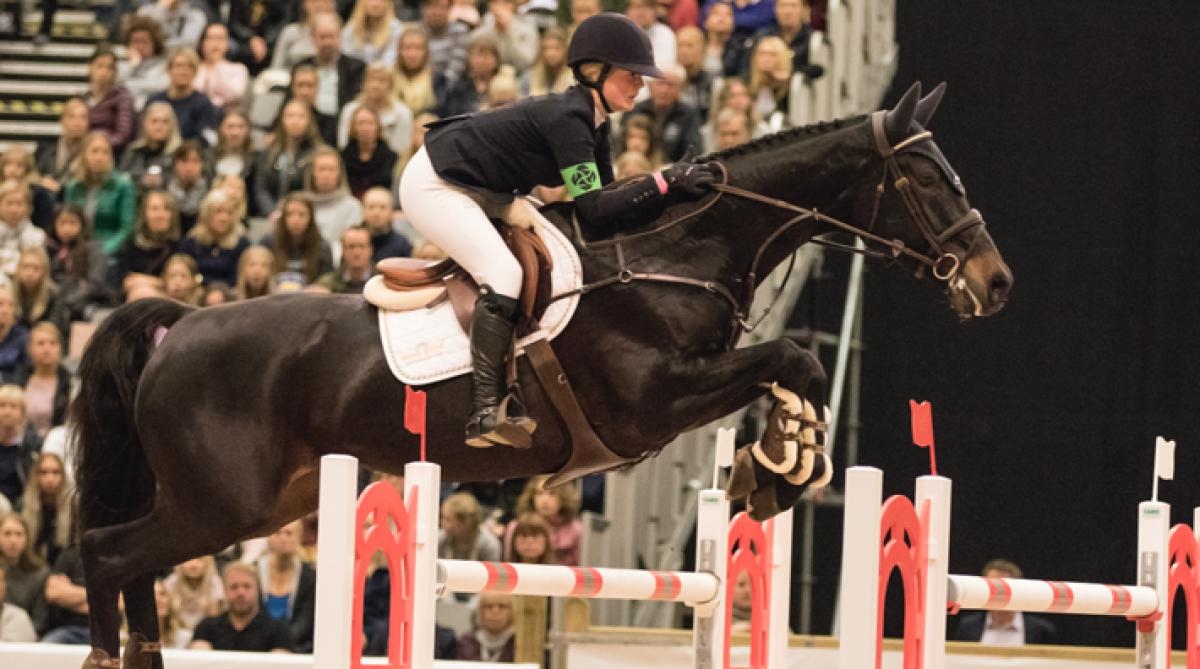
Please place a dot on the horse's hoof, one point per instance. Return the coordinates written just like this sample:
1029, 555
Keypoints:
742, 478
140, 652
100, 659
763, 504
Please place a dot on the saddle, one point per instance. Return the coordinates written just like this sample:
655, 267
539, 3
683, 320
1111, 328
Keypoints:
445, 280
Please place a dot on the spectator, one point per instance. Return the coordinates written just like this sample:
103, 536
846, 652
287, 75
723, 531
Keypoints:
725, 54
110, 107
493, 638
638, 137
581, 10
559, 508
376, 619
195, 113
235, 188
733, 94
676, 125
1004, 628
14, 341
368, 159
300, 254
679, 14
283, 163
698, 83
742, 609
218, 240
182, 23
303, 87
461, 536
770, 81
244, 626
217, 293
464, 12
372, 32
256, 274
549, 73
378, 95
195, 591
420, 126
356, 266
144, 70
147, 161
223, 81
502, 90
181, 279
749, 16
339, 76
18, 445
105, 196
733, 128
447, 41
289, 586
516, 37
528, 540
377, 217
66, 596
234, 152
24, 572
186, 184
46, 507
157, 234
333, 205
295, 40
467, 94
631, 163
170, 628
16, 164
77, 264
793, 27
140, 289
56, 159
645, 14
255, 27
15, 623
37, 299
47, 386
17, 232
413, 74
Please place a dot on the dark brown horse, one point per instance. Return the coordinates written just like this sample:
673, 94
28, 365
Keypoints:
214, 435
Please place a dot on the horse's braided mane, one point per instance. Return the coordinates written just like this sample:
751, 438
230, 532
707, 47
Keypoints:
783, 137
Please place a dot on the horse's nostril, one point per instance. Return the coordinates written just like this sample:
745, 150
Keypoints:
999, 286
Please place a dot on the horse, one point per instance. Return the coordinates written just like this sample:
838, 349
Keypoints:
212, 433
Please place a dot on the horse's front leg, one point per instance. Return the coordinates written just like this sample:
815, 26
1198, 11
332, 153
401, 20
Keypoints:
773, 472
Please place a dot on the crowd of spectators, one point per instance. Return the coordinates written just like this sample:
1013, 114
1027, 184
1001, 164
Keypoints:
226, 151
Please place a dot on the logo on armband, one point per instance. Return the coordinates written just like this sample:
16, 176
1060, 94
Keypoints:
581, 178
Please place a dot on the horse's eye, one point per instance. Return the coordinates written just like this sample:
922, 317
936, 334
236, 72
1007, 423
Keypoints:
925, 176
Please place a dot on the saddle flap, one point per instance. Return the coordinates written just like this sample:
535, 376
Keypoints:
536, 266
412, 273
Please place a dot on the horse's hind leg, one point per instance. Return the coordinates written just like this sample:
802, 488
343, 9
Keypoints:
141, 611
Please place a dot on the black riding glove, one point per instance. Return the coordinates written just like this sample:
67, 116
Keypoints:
691, 179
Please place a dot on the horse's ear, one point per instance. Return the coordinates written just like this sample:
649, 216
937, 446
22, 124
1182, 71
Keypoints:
929, 104
897, 120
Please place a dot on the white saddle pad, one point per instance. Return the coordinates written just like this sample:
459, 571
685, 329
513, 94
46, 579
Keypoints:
427, 345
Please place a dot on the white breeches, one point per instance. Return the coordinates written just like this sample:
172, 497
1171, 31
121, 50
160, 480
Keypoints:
448, 217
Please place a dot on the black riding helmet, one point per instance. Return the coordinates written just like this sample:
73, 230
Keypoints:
614, 41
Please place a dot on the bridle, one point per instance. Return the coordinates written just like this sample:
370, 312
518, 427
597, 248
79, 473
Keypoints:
943, 264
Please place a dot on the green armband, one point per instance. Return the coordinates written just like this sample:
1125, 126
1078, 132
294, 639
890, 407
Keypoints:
581, 178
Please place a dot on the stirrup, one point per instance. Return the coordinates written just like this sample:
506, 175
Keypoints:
515, 431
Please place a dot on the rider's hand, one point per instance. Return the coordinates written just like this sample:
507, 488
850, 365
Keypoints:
689, 178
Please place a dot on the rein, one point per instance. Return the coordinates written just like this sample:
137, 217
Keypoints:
943, 265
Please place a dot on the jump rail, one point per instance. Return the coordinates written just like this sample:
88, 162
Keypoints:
405, 530
913, 537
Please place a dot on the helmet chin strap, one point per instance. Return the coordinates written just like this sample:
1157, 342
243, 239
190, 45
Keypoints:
597, 85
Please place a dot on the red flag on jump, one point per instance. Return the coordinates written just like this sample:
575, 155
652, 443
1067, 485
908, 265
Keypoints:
414, 414
922, 430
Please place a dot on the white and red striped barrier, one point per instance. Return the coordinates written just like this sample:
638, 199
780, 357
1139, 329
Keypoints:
405, 529
912, 537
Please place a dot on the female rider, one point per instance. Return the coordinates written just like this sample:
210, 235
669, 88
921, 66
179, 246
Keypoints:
550, 140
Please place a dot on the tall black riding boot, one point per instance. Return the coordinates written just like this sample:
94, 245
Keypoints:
491, 340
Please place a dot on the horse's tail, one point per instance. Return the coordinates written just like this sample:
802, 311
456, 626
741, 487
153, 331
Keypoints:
114, 480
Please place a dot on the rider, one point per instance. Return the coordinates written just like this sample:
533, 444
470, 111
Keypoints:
554, 139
